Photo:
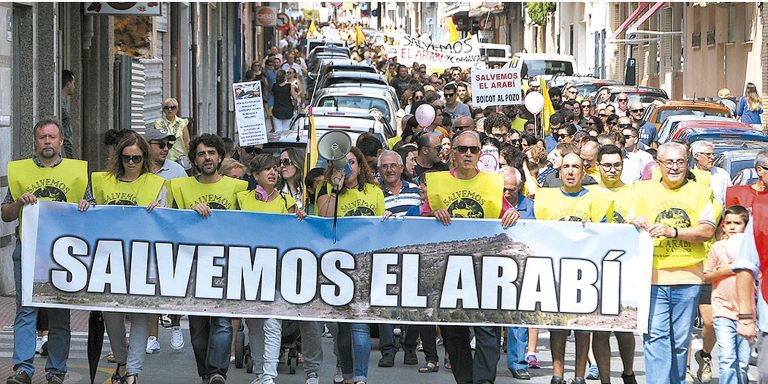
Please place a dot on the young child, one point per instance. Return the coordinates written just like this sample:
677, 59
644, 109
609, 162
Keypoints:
734, 349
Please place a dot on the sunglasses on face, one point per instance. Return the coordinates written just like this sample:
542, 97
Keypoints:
162, 144
611, 123
286, 162
170, 107
135, 158
636, 110
624, 126
628, 136
460, 127
417, 98
464, 148
514, 141
562, 135
252, 150
623, 100
449, 95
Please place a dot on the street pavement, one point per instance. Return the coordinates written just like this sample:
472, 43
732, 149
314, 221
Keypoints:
170, 366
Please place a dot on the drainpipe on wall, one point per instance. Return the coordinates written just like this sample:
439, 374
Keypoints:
193, 54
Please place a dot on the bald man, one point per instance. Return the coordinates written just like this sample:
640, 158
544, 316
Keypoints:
463, 123
588, 153
646, 129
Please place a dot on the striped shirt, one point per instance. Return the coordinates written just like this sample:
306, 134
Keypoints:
405, 199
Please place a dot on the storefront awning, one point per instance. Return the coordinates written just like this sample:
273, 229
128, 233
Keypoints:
647, 14
640, 9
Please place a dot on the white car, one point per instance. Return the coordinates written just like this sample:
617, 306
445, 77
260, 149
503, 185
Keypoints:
363, 96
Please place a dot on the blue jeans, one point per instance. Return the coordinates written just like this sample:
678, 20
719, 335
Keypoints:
355, 344
733, 350
264, 336
670, 320
25, 332
211, 342
517, 348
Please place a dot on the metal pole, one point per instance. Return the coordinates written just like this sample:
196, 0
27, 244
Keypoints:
193, 53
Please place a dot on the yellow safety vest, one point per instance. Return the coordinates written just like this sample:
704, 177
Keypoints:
617, 202
552, 204
281, 204
108, 190
188, 192
679, 208
477, 198
66, 182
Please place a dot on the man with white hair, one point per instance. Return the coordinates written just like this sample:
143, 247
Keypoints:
679, 216
719, 179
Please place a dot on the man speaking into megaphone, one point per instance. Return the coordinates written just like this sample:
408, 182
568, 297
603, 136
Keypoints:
349, 180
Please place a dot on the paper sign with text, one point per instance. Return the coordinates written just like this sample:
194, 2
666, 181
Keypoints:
491, 87
249, 113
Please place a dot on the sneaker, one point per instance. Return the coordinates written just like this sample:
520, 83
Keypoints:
338, 377
39, 343
19, 377
153, 346
312, 379
217, 379
410, 358
257, 380
387, 360
705, 367
177, 339
688, 376
54, 379
533, 362
520, 374
593, 373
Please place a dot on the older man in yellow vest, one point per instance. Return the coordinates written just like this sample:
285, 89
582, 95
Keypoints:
47, 176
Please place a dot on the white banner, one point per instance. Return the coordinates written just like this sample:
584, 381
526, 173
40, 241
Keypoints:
249, 113
464, 53
491, 87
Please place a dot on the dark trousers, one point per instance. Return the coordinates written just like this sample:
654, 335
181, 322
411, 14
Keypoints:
468, 370
211, 343
428, 335
387, 339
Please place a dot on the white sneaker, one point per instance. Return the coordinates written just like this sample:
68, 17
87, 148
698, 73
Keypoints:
153, 345
472, 343
39, 343
177, 339
312, 379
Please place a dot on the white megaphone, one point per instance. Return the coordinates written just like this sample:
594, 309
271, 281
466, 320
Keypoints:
334, 146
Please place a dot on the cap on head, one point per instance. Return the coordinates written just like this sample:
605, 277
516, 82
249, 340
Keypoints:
152, 134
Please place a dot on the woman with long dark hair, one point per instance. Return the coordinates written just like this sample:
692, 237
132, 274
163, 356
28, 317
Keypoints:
128, 181
286, 99
291, 167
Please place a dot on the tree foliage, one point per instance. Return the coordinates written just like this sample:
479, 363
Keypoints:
540, 11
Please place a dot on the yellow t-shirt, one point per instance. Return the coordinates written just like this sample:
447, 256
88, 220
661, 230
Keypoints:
281, 204
369, 202
477, 198
188, 192
107, 190
553, 204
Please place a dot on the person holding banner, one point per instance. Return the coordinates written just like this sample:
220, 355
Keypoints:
610, 161
47, 176
352, 193
211, 336
683, 219
466, 192
128, 181
570, 202
265, 334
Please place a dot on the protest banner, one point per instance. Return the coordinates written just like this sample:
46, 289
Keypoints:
408, 270
491, 87
464, 53
249, 113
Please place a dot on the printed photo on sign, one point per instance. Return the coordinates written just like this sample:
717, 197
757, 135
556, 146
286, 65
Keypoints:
249, 113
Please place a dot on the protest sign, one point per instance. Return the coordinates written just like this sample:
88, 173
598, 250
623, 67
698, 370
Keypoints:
410, 270
464, 53
249, 113
491, 87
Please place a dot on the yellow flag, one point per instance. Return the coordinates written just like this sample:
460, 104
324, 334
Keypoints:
310, 158
548, 109
312, 28
359, 36
453, 33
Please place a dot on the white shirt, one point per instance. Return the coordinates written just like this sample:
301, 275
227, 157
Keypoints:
296, 66
634, 163
719, 182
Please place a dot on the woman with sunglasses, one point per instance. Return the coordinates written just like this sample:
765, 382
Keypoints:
265, 334
357, 194
291, 166
128, 181
293, 79
594, 124
171, 124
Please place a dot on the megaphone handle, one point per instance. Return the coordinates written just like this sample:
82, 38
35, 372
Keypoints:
335, 215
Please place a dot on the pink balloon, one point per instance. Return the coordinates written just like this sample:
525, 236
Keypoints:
534, 102
425, 115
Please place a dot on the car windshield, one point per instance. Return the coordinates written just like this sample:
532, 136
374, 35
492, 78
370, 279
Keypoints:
722, 145
355, 102
643, 97
533, 68
663, 114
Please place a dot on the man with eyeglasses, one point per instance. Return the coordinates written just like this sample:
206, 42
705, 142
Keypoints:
453, 106
465, 123
466, 192
436, 82
679, 216
159, 145
586, 109
610, 162
46, 176
648, 133
428, 156
719, 180
622, 104
635, 159
499, 126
